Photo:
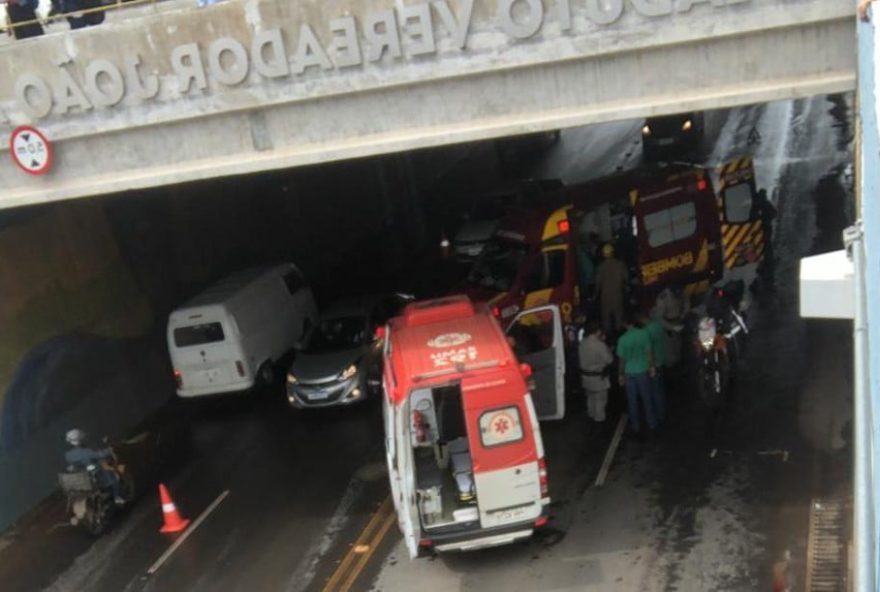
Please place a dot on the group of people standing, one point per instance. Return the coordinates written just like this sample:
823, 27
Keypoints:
637, 342
641, 357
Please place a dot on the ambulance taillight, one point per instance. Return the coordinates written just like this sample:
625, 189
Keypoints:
542, 477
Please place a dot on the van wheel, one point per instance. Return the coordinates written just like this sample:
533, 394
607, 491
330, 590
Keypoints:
266, 374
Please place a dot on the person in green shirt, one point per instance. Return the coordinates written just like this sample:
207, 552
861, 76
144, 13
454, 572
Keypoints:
657, 335
636, 370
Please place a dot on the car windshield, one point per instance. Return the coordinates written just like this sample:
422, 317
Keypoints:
337, 333
499, 264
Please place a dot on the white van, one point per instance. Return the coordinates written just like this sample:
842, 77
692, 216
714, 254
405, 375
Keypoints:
229, 337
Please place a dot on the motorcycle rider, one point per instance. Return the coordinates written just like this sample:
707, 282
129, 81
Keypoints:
79, 457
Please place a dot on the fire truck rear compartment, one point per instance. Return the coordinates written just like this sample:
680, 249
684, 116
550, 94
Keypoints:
444, 472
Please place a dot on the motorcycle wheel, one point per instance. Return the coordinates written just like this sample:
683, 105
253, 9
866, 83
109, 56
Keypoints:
126, 482
95, 520
709, 395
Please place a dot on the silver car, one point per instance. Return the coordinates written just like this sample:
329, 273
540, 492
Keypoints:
340, 362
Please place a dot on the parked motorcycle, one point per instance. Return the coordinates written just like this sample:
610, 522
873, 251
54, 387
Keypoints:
720, 343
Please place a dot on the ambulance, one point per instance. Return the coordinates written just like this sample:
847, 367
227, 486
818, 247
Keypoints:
461, 411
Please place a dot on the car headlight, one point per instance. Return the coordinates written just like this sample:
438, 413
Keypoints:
646, 131
349, 372
686, 125
291, 379
708, 344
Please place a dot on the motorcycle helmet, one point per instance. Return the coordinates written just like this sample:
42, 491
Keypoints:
75, 437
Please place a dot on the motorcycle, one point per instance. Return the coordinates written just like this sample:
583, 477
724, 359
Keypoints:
719, 343
90, 501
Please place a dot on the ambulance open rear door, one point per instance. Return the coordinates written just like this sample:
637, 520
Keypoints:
538, 341
402, 473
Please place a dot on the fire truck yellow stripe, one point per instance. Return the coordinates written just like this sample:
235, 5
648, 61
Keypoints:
538, 298
696, 288
728, 230
731, 245
702, 258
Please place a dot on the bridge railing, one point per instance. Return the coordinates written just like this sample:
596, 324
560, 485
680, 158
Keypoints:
113, 6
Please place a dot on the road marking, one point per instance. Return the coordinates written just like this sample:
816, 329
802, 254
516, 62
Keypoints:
170, 551
363, 549
365, 557
304, 574
612, 449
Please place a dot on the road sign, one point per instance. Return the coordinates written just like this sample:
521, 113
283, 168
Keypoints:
30, 150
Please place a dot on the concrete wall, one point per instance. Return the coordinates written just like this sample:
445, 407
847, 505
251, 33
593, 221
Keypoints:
182, 93
72, 353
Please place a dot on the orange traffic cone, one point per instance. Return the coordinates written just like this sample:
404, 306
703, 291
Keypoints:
173, 521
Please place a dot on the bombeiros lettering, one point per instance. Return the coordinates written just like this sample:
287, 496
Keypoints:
651, 271
297, 50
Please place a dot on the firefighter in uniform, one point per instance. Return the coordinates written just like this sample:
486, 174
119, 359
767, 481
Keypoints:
611, 280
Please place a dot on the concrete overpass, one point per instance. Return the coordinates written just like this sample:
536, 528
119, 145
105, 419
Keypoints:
173, 93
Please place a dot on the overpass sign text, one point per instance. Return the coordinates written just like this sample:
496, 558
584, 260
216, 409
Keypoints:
406, 33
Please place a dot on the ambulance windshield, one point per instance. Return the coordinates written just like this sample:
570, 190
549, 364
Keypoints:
497, 267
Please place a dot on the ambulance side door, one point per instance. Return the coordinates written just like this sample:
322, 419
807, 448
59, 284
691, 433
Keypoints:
538, 341
405, 497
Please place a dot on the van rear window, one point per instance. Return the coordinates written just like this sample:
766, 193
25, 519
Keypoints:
500, 426
198, 334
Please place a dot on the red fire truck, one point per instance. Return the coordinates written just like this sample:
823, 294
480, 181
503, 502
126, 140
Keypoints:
461, 410
664, 223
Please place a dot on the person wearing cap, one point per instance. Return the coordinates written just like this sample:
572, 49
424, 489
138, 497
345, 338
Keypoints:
595, 359
611, 279
80, 457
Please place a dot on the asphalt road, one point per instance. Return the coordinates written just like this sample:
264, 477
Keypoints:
302, 488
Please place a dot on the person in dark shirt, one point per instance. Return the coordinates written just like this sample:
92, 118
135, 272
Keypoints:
766, 212
79, 457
